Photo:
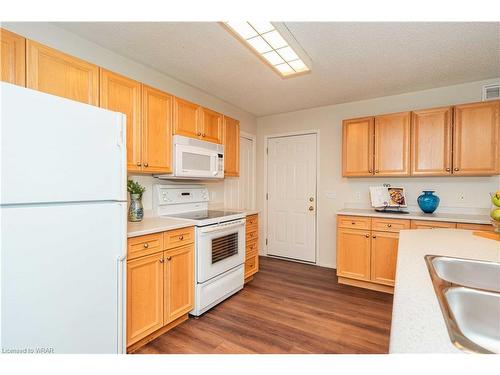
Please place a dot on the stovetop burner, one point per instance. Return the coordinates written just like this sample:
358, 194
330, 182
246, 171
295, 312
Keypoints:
202, 215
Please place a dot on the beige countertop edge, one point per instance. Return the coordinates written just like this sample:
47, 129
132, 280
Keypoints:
151, 225
448, 217
417, 324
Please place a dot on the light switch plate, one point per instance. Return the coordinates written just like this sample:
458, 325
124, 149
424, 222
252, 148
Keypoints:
331, 194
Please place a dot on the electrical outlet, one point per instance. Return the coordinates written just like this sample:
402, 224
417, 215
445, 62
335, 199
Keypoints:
331, 194
357, 195
461, 197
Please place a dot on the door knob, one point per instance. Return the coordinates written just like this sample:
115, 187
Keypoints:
311, 199
311, 208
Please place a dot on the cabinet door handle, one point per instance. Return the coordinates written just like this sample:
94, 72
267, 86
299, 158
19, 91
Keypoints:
146, 245
370, 171
199, 134
376, 170
146, 165
169, 258
138, 163
448, 169
367, 235
162, 260
203, 135
374, 237
456, 169
181, 237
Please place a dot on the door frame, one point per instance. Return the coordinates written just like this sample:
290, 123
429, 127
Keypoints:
316, 132
253, 138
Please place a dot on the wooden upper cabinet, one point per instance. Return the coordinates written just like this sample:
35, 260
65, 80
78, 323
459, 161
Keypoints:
384, 254
431, 142
187, 118
179, 282
392, 144
156, 130
13, 58
57, 73
121, 94
211, 126
231, 141
357, 147
145, 296
476, 139
353, 253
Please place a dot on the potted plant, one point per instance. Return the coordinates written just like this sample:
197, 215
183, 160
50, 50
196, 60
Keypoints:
136, 210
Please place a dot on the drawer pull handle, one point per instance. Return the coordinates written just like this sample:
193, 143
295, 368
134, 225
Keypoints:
181, 237
353, 223
146, 245
389, 225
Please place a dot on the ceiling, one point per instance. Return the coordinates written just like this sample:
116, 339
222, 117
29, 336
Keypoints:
350, 61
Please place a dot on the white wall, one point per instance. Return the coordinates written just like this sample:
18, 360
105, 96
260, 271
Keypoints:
328, 120
65, 41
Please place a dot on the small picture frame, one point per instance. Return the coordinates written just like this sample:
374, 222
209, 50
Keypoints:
388, 196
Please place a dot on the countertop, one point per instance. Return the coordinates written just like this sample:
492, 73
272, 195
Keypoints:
156, 224
418, 325
450, 217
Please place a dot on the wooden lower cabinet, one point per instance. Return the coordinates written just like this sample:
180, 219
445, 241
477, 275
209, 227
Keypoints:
179, 282
477, 227
252, 247
160, 288
144, 296
384, 253
353, 253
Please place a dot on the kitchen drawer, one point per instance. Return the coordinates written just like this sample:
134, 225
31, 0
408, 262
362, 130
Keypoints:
252, 220
250, 253
354, 222
424, 224
480, 227
252, 245
178, 237
251, 266
144, 245
252, 234
389, 225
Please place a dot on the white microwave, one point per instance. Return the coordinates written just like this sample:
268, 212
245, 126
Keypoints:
195, 159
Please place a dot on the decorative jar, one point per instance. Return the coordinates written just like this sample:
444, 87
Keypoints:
428, 202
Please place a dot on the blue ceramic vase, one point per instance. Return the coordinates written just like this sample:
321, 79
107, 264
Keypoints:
428, 202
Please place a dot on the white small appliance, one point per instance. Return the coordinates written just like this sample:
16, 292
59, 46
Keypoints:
195, 159
220, 242
63, 225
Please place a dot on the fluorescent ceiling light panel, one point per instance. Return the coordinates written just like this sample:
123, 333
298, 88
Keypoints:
267, 42
260, 45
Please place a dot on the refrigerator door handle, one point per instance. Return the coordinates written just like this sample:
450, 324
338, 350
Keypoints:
121, 311
121, 143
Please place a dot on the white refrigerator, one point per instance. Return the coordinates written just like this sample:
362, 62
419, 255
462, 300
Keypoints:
63, 225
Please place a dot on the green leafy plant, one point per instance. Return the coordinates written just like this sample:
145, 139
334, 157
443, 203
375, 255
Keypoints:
134, 187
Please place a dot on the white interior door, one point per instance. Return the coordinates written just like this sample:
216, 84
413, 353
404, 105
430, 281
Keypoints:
240, 192
291, 224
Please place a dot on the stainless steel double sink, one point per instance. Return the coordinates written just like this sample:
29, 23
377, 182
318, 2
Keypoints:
469, 295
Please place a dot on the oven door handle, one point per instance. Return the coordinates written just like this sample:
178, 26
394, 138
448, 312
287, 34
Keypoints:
221, 227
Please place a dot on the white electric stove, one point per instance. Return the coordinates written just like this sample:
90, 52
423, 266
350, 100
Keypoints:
220, 242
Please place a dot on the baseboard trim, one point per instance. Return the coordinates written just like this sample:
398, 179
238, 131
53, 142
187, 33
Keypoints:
132, 348
366, 285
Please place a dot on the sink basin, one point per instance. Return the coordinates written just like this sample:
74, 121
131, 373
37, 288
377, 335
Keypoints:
477, 315
468, 292
469, 273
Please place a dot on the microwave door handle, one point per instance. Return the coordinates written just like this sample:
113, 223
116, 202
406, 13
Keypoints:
215, 170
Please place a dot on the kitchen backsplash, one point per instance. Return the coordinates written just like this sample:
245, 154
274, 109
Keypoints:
215, 189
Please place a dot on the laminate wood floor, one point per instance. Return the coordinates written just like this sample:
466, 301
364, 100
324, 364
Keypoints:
287, 308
